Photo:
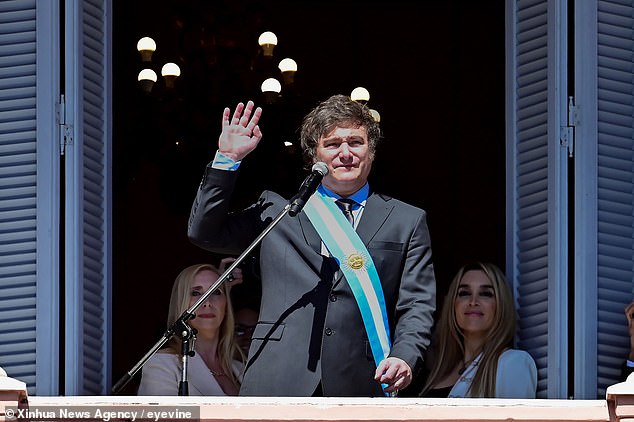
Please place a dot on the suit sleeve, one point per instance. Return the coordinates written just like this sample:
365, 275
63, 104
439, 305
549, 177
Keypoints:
516, 376
416, 298
160, 376
211, 225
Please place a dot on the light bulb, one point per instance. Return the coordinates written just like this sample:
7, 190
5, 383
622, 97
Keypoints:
360, 94
171, 69
271, 89
271, 85
147, 78
288, 68
267, 41
146, 47
147, 74
288, 65
170, 72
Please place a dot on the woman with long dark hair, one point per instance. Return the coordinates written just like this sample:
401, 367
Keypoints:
472, 351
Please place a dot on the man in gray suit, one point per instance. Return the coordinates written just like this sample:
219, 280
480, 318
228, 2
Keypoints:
347, 294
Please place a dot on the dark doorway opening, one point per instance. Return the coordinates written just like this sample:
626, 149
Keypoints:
435, 72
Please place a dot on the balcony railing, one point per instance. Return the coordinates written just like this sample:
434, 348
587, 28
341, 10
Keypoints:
14, 401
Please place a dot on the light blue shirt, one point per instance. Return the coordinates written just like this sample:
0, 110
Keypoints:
222, 162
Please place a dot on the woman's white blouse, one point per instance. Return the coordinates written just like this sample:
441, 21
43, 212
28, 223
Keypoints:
162, 373
516, 376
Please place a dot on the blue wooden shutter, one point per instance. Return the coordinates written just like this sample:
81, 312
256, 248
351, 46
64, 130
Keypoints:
536, 184
29, 182
604, 191
615, 183
88, 191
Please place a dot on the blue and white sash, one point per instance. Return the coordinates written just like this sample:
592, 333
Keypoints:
355, 262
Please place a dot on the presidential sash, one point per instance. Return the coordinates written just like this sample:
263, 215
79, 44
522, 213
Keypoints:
355, 262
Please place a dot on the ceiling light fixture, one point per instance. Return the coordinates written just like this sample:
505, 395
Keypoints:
288, 68
271, 89
170, 72
146, 47
360, 95
147, 78
267, 41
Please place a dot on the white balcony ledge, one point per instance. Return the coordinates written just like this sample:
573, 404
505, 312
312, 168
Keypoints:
327, 409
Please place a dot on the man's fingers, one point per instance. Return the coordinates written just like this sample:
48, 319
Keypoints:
225, 117
402, 382
237, 113
257, 133
395, 373
254, 120
378, 374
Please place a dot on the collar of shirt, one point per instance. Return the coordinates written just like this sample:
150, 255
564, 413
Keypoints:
360, 197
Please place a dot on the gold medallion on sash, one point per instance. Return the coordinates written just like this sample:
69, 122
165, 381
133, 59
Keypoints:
356, 261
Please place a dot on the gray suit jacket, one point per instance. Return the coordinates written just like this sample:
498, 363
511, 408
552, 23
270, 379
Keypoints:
310, 327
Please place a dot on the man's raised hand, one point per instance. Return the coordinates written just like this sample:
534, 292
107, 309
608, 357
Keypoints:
240, 132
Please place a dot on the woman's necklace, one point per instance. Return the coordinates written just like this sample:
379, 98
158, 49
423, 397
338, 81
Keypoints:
217, 374
208, 363
465, 365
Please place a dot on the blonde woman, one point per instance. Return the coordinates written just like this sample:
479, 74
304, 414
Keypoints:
212, 371
472, 354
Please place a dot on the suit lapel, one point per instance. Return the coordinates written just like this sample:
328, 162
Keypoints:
374, 215
310, 234
329, 265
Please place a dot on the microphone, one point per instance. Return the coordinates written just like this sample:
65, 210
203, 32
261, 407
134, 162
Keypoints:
309, 185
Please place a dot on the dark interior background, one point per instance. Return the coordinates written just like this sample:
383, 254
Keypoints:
435, 73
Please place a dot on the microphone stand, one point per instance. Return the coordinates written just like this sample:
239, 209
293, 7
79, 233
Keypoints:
188, 337
180, 327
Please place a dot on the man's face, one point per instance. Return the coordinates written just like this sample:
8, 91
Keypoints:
246, 319
346, 152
